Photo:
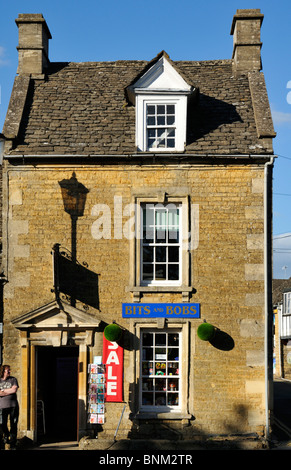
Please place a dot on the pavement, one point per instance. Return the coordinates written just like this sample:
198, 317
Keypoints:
280, 439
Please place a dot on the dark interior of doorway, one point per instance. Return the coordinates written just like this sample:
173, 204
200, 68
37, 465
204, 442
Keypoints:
57, 393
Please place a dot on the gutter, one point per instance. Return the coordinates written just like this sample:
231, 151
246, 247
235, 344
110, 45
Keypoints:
141, 155
268, 289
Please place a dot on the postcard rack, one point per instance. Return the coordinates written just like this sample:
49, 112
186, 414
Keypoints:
96, 393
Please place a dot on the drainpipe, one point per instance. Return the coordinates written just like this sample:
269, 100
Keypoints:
268, 286
2, 142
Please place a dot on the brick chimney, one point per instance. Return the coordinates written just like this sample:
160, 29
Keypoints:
246, 31
34, 35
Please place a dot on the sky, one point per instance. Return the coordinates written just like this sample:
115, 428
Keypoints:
94, 30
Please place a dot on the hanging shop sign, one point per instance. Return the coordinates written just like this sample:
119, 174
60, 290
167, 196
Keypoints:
113, 360
183, 310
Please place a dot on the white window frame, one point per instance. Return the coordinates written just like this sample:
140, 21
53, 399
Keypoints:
155, 207
167, 130
146, 377
135, 272
180, 103
287, 303
183, 326
189, 237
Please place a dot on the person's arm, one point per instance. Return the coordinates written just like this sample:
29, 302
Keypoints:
8, 391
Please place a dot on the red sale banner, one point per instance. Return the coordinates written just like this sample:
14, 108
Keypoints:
113, 360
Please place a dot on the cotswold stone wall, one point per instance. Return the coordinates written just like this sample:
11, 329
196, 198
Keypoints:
226, 386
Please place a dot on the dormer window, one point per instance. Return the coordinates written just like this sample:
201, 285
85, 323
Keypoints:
160, 97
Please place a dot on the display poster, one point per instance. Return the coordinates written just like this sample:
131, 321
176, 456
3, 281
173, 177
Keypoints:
113, 360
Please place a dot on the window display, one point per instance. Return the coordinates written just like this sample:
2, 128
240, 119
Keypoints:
160, 369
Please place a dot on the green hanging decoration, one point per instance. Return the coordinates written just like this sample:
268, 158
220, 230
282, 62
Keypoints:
206, 331
112, 332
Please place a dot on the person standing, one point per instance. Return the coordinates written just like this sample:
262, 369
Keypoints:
9, 407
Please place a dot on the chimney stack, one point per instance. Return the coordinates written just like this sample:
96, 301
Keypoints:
34, 35
246, 31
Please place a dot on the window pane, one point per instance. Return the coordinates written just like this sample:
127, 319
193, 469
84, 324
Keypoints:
173, 253
173, 385
148, 235
161, 217
173, 216
147, 399
161, 133
147, 272
173, 339
173, 399
161, 121
173, 368
152, 143
160, 399
161, 109
148, 254
160, 236
147, 339
170, 109
160, 339
147, 384
173, 236
148, 354
147, 368
173, 355
151, 121
173, 272
170, 120
161, 253
161, 384
151, 109
160, 272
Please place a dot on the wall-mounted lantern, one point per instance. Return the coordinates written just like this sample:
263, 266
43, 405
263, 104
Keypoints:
74, 196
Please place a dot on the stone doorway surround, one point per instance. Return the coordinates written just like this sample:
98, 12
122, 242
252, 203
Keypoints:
54, 324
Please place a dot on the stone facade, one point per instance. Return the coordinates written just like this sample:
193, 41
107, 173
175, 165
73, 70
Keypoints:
68, 128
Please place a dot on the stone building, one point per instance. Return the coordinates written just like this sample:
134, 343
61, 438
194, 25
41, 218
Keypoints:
137, 196
282, 327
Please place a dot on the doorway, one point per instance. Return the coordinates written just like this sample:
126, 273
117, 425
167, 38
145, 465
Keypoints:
57, 393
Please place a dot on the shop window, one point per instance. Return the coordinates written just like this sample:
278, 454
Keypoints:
160, 373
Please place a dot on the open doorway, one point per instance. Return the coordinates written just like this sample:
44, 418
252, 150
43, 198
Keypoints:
57, 393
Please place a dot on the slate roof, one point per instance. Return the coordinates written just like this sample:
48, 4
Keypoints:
82, 109
279, 287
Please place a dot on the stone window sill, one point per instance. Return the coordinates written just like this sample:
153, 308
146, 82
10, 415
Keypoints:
162, 415
138, 290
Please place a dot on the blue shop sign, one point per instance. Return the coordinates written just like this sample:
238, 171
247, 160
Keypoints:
183, 310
